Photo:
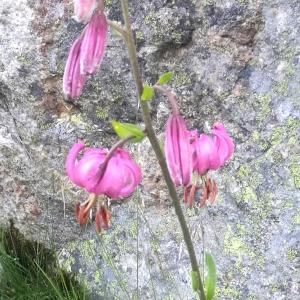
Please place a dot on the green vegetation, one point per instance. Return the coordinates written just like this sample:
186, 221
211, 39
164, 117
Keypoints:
30, 271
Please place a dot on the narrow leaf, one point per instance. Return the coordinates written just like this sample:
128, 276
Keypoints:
164, 78
148, 93
123, 130
195, 281
210, 282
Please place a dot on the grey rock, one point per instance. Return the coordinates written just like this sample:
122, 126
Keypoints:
234, 61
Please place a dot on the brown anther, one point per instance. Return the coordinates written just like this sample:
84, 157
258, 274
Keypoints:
82, 210
210, 192
102, 218
189, 194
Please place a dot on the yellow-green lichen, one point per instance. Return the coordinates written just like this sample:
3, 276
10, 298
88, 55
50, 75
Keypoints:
296, 218
281, 87
295, 171
277, 156
291, 254
263, 104
108, 3
290, 53
101, 112
290, 70
181, 79
97, 277
76, 119
229, 292
139, 35
243, 171
85, 248
247, 195
287, 203
24, 60
233, 244
255, 136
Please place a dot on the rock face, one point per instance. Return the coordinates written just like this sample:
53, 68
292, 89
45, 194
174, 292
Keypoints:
236, 61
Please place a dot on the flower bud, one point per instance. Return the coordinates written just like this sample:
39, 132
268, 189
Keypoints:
84, 9
73, 80
178, 150
93, 44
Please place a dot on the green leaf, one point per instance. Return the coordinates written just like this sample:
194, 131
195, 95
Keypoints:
123, 130
164, 78
195, 281
210, 282
148, 92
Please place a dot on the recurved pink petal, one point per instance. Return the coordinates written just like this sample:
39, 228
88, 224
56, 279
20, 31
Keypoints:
223, 142
132, 176
72, 163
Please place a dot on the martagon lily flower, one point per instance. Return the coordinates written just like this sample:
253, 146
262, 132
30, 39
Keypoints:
113, 174
119, 179
84, 9
210, 152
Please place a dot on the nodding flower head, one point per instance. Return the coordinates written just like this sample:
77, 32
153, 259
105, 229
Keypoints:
93, 43
178, 150
119, 179
84, 9
73, 80
210, 152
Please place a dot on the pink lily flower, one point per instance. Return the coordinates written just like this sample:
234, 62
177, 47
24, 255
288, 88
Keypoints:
211, 152
178, 150
120, 178
73, 80
93, 44
84, 9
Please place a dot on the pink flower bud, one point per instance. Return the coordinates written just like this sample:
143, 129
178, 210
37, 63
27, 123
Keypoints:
93, 44
178, 150
84, 9
121, 176
73, 80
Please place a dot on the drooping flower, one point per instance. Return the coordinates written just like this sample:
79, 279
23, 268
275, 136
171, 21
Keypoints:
73, 80
84, 9
178, 150
210, 152
93, 43
119, 178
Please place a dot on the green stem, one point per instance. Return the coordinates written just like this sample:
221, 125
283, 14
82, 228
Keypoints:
156, 147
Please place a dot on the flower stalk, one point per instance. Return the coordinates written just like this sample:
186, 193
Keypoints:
156, 147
